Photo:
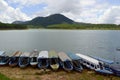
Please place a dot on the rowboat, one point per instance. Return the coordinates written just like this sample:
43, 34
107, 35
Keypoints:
4, 59
14, 59
33, 58
54, 62
66, 62
94, 64
24, 59
43, 61
109, 64
76, 61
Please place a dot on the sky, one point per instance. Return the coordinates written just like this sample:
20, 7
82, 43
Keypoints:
88, 11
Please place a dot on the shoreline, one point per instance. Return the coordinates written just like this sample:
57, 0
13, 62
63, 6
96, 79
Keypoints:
30, 73
60, 29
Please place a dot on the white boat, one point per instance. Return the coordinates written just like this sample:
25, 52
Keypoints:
43, 61
94, 64
88, 61
33, 58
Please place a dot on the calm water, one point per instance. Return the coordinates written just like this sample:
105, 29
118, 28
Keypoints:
102, 43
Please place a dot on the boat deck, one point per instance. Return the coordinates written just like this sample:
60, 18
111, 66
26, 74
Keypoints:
34, 54
53, 54
26, 54
73, 56
17, 53
1, 53
90, 59
43, 54
63, 56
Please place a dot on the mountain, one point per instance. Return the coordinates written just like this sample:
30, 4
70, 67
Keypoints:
18, 22
49, 20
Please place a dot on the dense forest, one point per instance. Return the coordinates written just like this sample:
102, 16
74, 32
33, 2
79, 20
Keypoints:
4, 26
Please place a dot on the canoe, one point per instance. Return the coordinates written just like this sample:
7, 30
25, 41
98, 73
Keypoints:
4, 59
33, 58
94, 64
54, 62
66, 62
43, 61
109, 64
76, 61
14, 59
24, 59
103, 60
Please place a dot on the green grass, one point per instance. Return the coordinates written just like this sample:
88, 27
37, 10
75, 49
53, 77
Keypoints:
3, 77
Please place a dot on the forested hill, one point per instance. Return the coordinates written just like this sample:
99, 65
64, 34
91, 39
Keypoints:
57, 21
46, 21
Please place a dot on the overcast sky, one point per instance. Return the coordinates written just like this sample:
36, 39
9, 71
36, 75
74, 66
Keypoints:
89, 11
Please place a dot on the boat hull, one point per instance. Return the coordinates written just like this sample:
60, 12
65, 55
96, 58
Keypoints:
43, 63
33, 61
77, 65
13, 61
104, 72
24, 62
67, 65
54, 63
4, 60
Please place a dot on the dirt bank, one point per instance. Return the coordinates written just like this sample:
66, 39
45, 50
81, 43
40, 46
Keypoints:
36, 74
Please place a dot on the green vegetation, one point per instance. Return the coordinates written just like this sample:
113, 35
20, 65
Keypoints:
3, 77
56, 21
62, 26
4, 26
85, 26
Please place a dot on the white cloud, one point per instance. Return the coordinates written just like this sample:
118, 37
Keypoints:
9, 14
61, 6
111, 15
90, 11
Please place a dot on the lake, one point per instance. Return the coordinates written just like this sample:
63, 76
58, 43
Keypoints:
101, 43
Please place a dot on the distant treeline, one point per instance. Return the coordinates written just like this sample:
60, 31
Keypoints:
4, 26
85, 26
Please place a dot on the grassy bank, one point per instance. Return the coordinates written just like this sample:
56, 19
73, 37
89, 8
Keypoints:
3, 77
30, 73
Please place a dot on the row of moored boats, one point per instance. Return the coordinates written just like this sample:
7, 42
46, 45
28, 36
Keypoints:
67, 61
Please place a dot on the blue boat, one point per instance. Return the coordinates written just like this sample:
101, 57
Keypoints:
76, 62
14, 59
4, 59
94, 64
43, 61
103, 60
24, 60
110, 65
66, 62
